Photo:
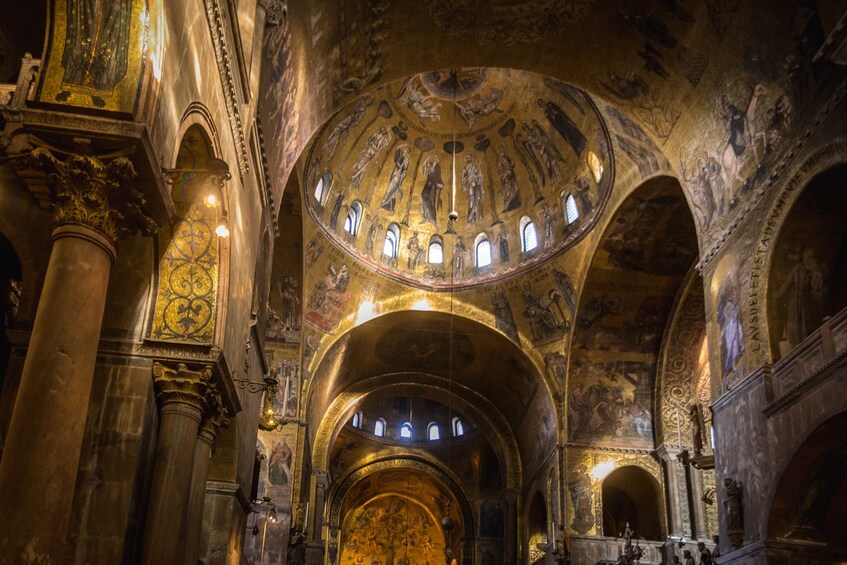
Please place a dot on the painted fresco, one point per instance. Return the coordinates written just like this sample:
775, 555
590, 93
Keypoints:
391, 529
386, 162
96, 55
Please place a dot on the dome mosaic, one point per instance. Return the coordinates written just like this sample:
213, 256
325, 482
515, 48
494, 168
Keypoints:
524, 160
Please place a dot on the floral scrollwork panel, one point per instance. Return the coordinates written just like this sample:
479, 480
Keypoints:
187, 293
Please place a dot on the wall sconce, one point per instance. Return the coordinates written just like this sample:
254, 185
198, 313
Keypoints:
217, 172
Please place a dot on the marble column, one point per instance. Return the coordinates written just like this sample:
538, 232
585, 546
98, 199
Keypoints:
315, 547
182, 394
213, 419
677, 485
93, 208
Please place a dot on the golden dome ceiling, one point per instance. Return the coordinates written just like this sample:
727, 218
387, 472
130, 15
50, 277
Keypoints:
381, 175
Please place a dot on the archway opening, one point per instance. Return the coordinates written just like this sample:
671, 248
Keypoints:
537, 523
810, 502
10, 293
631, 495
808, 278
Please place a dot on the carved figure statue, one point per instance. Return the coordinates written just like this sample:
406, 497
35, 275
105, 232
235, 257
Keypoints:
733, 509
696, 418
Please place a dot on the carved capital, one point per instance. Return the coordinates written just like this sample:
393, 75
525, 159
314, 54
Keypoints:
182, 385
216, 415
96, 194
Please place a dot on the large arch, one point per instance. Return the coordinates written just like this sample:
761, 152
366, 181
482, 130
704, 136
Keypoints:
415, 344
492, 423
632, 497
433, 488
807, 280
637, 270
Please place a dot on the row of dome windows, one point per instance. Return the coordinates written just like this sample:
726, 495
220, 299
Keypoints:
433, 432
435, 251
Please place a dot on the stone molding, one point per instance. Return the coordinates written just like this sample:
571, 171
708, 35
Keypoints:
95, 194
222, 57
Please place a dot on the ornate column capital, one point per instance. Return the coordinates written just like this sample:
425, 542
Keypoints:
182, 385
215, 416
322, 479
94, 193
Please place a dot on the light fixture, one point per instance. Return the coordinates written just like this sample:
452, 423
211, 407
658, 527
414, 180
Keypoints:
272, 515
601, 470
211, 201
223, 228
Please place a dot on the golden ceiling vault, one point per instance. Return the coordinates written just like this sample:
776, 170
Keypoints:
502, 148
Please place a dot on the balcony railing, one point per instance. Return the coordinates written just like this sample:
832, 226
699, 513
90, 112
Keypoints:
811, 356
16, 95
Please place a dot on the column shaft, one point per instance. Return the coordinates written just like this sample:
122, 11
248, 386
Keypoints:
169, 494
42, 451
197, 498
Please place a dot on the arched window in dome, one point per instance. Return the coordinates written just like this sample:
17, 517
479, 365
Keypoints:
379, 427
432, 432
435, 253
354, 218
322, 187
483, 251
458, 427
392, 241
529, 236
569, 206
358, 420
406, 430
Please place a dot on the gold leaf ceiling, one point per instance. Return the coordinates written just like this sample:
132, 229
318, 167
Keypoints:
522, 144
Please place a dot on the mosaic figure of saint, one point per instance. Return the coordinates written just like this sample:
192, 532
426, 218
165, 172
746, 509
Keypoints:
431, 194
96, 47
506, 171
472, 184
342, 129
398, 175
732, 333
376, 142
564, 125
544, 150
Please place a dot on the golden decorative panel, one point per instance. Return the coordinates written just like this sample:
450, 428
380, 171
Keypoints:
187, 287
96, 55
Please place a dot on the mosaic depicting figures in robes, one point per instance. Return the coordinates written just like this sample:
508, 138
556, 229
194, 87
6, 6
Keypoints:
279, 466
398, 175
802, 296
479, 106
418, 102
431, 194
376, 142
564, 125
472, 184
544, 151
729, 322
342, 129
509, 184
96, 48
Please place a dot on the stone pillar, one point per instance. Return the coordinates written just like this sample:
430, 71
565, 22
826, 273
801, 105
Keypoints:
701, 525
93, 208
315, 547
213, 419
182, 395
510, 543
680, 517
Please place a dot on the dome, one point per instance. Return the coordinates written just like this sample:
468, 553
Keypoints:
525, 161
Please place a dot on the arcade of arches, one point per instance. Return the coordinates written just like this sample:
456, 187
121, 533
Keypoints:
394, 282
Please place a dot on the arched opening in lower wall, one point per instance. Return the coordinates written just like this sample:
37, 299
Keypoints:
810, 502
537, 525
10, 281
631, 496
